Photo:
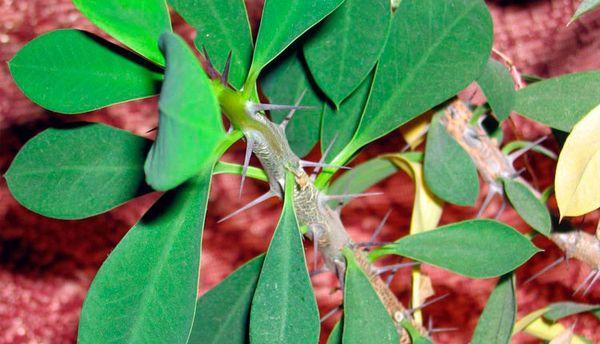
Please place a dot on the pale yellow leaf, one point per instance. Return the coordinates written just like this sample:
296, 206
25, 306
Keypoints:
427, 208
414, 131
564, 338
577, 182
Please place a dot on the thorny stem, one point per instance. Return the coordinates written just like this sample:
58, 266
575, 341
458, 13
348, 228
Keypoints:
324, 224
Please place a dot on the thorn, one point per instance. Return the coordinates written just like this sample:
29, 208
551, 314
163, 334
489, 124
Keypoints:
430, 324
249, 147
429, 303
254, 107
225, 74
502, 208
327, 198
256, 201
394, 267
380, 226
585, 281
330, 313
516, 154
492, 191
316, 235
592, 283
544, 270
304, 163
371, 244
323, 157
230, 130
480, 121
211, 70
443, 329
151, 130
290, 115
318, 272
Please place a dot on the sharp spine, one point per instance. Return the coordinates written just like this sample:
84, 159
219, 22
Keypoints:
516, 154
545, 269
292, 112
248, 154
225, 74
256, 201
212, 71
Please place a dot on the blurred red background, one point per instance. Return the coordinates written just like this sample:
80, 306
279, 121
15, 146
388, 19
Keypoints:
47, 265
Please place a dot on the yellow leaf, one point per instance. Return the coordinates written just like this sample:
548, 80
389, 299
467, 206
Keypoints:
415, 130
427, 208
577, 182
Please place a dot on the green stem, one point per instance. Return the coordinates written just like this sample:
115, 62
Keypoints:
229, 168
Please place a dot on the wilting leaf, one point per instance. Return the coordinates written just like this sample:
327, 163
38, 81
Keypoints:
559, 310
341, 124
283, 21
496, 322
222, 27
145, 292
223, 313
283, 83
190, 126
576, 183
78, 171
365, 318
529, 207
72, 71
562, 101
498, 86
431, 42
137, 24
474, 248
284, 309
427, 208
449, 171
362, 177
346, 46
585, 7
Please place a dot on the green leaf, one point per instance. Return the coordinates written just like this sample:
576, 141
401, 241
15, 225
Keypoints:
251, 171
283, 83
335, 336
445, 44
346, 46
365, 318
145, 292
341, 124
562, 101
78, 171
585, 7
137, 24
362, 177
496, 322
449, 171
498, 86
529, 207
284, 309
222, 27
72, 71
474, 248
190, 126
223, 313
415, 335
283, 21
559, 310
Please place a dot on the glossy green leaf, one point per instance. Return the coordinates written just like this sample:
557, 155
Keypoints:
145, 292
335, 336
222, 27
365, 318
449, 171
284, 309
190, 126
283, 83
498, 86
474, 248
559, 310
72, 71
434, 50
529, 207
223, 313
562, 101
341, 124
496, 322
585, 7
78, 171
346, 46
362, 177
136, 23
283, 21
